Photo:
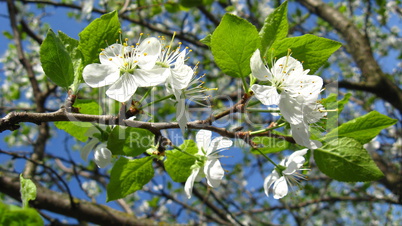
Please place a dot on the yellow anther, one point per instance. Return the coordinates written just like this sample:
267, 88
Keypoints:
141, 33
145, 54
110, 59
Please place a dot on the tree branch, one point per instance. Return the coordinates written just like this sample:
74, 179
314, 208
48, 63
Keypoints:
59, 203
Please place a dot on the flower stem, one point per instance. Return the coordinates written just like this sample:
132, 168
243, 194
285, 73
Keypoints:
157, 101
269, 159
146, 95
245, 85
267, 129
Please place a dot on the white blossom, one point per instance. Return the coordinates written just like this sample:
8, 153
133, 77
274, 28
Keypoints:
294, 92
208, 163
285, 173
125, 68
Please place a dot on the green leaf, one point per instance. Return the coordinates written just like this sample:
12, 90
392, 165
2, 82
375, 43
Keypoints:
233, 43
275, 28
335, 108
128, 176
345, 159
28, 191
56, 61
313, 51
129, 141
71, 46
190, 3
364, 128
28, 216
177, 164
270, 145
207, 40
95, 36
78, 129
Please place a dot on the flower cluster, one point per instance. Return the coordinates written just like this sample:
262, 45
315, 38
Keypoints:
295, 92
149, 63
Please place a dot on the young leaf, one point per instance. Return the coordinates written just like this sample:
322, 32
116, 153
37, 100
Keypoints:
275, 28
128, 176
96, 36
345, 159
13, 215
313, 51
232, 44
71, 46
177, 164
56, 61
28, 191
129, 141
363, 128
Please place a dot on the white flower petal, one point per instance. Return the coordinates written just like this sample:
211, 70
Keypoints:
99, 75
213, 172
266, 94
301, 135
285, 67
258, 68
219, 143
180, 77
290, 108
298, 157
88, 148
188, 187
102, 156
152, 77
181, 114
122, 89
269, 180
203, 139
113, 55
280, 188
148, 52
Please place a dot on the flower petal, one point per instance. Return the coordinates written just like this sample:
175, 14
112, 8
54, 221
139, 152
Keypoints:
102, 156
266, 94
290, 108
301, 135
181, 114
298, 157
98, 75
217, 144
113, 55
258, 68
213, 172
88, 148
122, 89
152, 77
148, 52
188, 187
280, 188
286, 67
180, 77
269, 180
203, 139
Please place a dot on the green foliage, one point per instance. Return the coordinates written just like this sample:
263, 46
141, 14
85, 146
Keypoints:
129, 141
331, 103
71, 45
56, 61
14, 215
78, 129
97, 35
28, 191
275, 28
270, 145
233, 43
128, 176
363, 129
345, 159
313, 51
178, 164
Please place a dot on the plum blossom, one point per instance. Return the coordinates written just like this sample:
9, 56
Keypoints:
285, 173
125, 68
207, 163
179, 77
294, 92
102, 155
